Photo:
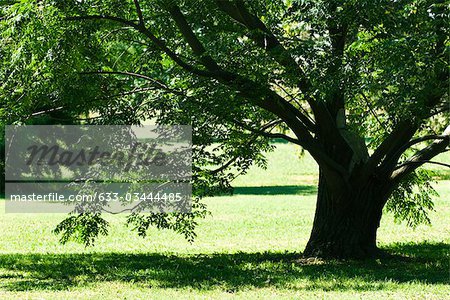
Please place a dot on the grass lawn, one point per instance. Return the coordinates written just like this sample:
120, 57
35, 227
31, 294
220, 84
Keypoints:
248, 248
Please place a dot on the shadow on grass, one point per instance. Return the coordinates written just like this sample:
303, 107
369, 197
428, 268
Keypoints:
276, 190
231, 272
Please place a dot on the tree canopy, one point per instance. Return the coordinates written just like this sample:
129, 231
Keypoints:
361, 85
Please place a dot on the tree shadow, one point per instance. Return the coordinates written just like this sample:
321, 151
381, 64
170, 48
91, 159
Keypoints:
276, 190
231, 272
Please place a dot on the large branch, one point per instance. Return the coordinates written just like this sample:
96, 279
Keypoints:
422, 156
274, 103
420, 140
338, 30
263, 97
304, 115
139, 12
190, 37
200, 51
264, 38
386, 156
246, 87
260, 95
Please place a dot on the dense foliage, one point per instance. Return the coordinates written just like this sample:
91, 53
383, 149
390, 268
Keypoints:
363, 78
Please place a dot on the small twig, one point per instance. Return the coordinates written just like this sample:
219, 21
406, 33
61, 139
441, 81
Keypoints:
157, 82
422, 162
373, 112
46, 111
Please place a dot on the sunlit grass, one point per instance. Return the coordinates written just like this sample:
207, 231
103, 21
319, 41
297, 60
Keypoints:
248, 248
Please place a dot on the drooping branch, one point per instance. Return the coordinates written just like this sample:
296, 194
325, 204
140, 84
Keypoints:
212, 72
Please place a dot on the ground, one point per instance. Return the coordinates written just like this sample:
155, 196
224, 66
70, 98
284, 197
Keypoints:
248, 248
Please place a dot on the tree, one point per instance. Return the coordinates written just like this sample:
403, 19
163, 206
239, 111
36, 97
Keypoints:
361, 85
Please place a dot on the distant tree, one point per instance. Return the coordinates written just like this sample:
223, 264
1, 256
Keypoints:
361, 85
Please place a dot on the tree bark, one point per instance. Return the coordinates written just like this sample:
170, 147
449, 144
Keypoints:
346, 223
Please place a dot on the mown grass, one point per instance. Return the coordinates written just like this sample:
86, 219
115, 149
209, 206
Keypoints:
248, 248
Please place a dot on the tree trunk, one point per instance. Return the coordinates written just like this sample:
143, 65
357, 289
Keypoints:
345, 224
